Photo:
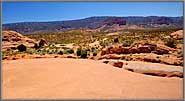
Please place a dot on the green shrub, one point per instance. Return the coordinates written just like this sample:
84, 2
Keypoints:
83, 54
36, 46
65, 52
92, 49
95, 53
122, 58
116, 40
60, 52
29, 52
21, 48
39, 50
50, 52
42, 42
170, 42
126, 44
128, 58
68, 51
78, 52
88, 49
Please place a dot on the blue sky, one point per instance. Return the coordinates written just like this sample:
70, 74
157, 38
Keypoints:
57, 11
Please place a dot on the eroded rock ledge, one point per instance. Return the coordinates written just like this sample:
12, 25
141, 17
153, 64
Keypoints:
154, 69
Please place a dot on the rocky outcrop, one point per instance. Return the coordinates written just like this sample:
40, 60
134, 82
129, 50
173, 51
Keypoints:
162, 49
11, 39
113, 34
138, 48
152, 69
144, 49
107, 56
134, 50
12, 36
172, 60
152, 58
116, 63
177, 35
42, 42
147, 57
155, 69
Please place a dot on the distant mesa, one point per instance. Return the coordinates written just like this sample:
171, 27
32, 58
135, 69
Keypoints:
114, 20
103, 23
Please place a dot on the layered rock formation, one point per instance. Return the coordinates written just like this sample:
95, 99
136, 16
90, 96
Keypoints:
11, 39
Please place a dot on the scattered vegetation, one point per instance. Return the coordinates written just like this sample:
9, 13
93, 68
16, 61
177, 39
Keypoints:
116, 40
60, 52
171, 42
126, 58
21, 48
68, 51
83, 54
95, 53
84, 38
78, 52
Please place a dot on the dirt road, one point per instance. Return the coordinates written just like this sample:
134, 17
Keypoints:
77, 78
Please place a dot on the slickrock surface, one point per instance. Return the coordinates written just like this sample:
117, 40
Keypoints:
153, 69
61, 78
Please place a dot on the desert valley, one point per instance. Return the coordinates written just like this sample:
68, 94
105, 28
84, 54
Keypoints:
94, 58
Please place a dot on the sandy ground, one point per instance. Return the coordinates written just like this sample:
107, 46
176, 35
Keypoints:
63, 78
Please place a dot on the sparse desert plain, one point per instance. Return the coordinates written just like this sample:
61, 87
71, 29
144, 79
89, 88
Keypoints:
113, 61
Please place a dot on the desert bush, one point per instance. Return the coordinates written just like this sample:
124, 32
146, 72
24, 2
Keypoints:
53, 52
122, 58
171, 42
60, 52
39, 50
43, 53
125, 44
128, 58
68, 51
157, 57
88, 49
36, 46
42, 42
127, 41
105, 44
52, 46
95, 53
78, 52
21, 48
50, 52
29, 52
83, 54
116, 40
92, 49
65, 52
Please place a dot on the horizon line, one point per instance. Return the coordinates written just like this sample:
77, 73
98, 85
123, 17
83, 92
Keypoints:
82, 19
